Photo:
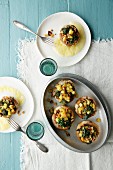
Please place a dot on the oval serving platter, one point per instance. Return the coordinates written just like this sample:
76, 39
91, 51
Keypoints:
83, 88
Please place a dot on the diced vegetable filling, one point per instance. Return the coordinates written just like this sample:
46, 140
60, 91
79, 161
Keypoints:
65, 92
86, 107
64, 117
69, 34
88, 133
8, 106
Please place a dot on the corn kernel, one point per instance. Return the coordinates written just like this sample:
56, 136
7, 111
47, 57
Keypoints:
60, 97
68, 115
73, 92
93, 106
80, 135
57, 119
63, 115
11, 106
88, 112
67, 88
64, 38
68, 84
85, 104
62, 91
82, 139
70, 31
12, 111
69, 36
65, 118
70, 87
80, 104
88, 102
59, 88
80, 109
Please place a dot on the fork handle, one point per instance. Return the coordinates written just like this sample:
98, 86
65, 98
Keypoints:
41, 147
21, 130
38, 144
23, 27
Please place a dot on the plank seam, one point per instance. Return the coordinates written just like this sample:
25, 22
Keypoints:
68, 5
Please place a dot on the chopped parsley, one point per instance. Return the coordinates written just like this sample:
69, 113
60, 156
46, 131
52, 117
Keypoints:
64, 123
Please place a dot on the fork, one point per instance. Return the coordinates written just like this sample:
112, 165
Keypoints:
15, 126
24, 27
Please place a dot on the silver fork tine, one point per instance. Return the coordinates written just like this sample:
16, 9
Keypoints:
13, 123
48, 42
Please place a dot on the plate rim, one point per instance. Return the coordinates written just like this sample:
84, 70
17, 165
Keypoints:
85, 26
100, 97
14, 78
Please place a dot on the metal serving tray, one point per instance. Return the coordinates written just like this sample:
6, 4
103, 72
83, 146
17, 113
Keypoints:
83, 88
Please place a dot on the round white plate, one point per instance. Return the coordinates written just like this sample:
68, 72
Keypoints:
56, 22
28, 104
83, 88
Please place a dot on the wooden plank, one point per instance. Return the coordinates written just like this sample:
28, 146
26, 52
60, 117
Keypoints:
17, 12
4, 38
15, 151
49, 7
5, 145
9, 151
97, 14
31, 13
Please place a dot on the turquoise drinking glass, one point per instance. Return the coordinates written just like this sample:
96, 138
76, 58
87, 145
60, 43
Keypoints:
35, 131
48, 67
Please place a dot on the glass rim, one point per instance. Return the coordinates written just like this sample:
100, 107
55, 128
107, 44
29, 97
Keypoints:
53, 62
42, 134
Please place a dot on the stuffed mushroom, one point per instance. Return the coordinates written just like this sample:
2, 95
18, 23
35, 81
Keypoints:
64, 91
8, 106
87, 132
69, 35
85, 107
63, 117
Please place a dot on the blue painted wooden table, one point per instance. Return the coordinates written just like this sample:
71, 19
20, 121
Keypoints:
98, 14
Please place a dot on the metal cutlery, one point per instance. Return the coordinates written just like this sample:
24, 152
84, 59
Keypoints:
46, 40
18, 128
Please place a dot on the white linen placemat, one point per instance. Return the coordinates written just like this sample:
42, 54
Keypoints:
97, 68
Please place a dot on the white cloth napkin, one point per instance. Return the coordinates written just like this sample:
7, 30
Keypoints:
97, 66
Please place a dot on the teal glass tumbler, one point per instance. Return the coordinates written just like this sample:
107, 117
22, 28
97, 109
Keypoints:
48, 67
35, 131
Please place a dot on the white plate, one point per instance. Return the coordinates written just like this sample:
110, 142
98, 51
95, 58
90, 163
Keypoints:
56, 22
83, 88
27, 105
